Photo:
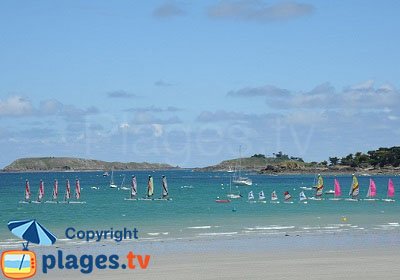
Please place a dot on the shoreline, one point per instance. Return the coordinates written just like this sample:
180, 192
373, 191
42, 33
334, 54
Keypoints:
304, 257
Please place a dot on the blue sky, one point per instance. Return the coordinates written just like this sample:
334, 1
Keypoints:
187, 82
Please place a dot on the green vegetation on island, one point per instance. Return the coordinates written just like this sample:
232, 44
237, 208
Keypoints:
78, 164
382, 160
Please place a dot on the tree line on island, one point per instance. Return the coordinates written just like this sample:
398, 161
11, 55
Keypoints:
380, 158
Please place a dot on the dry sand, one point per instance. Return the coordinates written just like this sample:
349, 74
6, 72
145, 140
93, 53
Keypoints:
340, 263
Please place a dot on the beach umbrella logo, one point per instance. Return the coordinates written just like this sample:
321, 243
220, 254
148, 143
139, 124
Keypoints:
21, 264
32, 232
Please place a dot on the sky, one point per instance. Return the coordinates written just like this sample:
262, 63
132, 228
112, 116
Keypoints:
188, 82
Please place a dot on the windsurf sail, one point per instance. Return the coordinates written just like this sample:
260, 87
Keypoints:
55, 190
355, 188
133, 187
77, 189
250, 195
303, 196
261, 195
390, 191
372, 189
338, 191
68, 191
164, 187
150, 187
27, 191
274, 196
41, 191
320, 186
287, 195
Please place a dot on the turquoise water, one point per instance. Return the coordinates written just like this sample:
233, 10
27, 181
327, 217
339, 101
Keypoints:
193, 212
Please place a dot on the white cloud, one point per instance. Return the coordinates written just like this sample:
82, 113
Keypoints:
158, 130
364, 96
15, 106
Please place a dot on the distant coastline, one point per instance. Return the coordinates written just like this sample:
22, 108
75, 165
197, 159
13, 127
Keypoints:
381, 161
70, 164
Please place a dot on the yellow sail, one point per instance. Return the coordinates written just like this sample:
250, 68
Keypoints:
320, 186
355, 187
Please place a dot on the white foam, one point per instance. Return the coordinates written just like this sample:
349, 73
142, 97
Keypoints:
394, 224
217, 233
153, 233
270, 228
200, 227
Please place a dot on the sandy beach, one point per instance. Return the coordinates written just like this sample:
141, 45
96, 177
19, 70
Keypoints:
241, 258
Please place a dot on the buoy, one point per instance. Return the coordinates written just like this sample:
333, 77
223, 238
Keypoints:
344, 219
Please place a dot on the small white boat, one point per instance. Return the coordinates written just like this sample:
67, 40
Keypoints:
242, 181
330, 192
261, 197
112, 184
250, 197
303, 198
306, 188
239, 180
122, 184
231, 194
106, 174
287, 197
274, 197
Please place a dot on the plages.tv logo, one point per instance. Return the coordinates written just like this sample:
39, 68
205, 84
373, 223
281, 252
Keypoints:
21, 264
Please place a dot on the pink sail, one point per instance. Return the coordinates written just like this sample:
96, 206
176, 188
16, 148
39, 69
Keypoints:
55, 189
372, 188
27, 190
338, 191
41, 191
68, 191
390, 192
77, 189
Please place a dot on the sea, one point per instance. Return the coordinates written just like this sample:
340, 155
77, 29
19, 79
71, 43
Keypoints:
193, 212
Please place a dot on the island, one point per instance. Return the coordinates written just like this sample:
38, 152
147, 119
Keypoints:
78, 164
380, 161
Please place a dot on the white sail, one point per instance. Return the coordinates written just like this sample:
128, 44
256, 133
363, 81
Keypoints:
261, 195
150, 187
303, 196
287, 196
77, 189
164, 187
237, 178
133, 187
250, 195
274, 196
112, 184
